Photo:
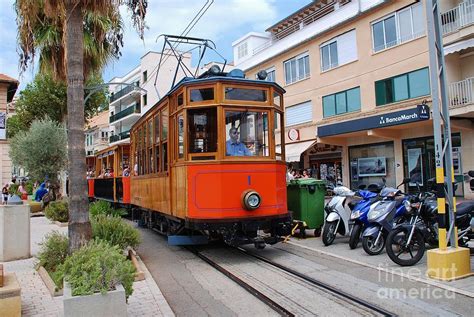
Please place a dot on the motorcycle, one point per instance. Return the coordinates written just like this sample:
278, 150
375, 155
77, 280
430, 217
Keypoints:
381, 217
338, 211
406, 242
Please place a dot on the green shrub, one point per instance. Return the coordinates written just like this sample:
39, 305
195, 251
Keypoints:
53, 253
101, 207
115, 231
57, 211
13, 189
29, 187
97, 267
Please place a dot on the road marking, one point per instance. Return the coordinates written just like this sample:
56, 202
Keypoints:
404, 275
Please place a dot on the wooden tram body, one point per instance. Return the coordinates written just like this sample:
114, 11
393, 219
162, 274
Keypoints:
185, 180
113, 188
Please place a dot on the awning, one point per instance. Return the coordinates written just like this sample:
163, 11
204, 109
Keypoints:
293, 151
456, 47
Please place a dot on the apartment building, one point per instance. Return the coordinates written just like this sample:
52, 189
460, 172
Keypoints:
135, 93
97, 136
358, 90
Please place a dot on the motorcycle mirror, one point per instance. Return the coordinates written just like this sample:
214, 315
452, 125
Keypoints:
470, 173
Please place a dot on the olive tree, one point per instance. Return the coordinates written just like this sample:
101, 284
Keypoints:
42, 150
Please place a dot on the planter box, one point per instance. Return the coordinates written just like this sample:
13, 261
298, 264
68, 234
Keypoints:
10, 296
61, 224
111, 304
48, 281
14, 232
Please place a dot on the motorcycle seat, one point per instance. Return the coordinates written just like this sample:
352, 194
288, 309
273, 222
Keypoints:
465, 207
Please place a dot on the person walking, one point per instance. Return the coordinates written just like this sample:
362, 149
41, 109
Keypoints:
5, 194
22, 191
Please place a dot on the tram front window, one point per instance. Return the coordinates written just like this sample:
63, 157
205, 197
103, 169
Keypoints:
247, 133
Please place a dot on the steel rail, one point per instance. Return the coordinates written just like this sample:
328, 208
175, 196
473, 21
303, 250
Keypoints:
320, 284
262, 297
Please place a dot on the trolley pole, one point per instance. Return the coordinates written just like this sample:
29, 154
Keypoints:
445, 263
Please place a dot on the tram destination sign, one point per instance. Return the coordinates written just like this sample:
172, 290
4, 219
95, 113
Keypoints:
420, 113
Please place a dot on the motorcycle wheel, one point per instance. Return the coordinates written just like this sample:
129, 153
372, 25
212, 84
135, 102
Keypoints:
355, 236
368, 243
401, 253
329, 232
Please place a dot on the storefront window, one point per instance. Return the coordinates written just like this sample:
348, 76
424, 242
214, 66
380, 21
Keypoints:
247, 133
419, 162
371, 163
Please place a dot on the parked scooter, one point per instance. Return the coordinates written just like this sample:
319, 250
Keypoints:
338, 211
406, 242
359, 220
381, 217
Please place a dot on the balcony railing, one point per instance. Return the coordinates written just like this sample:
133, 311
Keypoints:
119, 94
122, 114
121, 136
458, 17
461, 92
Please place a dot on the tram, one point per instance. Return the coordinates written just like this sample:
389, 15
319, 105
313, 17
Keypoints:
206, 161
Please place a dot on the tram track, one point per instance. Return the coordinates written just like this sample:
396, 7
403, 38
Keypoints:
278, 305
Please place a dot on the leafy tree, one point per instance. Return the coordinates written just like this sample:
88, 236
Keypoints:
71, 61
46, 97
41, 150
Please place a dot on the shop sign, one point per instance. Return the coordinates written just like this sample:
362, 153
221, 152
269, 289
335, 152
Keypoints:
420, 113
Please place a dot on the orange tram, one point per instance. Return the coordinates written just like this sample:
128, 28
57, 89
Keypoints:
206, 161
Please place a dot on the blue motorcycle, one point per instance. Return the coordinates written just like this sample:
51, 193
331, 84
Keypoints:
381, 217
359, 213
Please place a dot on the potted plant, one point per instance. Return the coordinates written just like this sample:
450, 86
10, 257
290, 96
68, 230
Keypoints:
97, 281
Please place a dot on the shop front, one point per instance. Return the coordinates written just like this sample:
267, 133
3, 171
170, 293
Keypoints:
397, 145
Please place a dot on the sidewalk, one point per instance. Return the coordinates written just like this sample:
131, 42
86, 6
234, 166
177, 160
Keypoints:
146, 300
340, 250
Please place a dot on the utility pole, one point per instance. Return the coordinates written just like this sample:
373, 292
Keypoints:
454, 262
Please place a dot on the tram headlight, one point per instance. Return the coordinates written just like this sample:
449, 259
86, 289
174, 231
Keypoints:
251, 200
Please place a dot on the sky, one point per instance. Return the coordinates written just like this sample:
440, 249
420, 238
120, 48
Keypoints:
224, 22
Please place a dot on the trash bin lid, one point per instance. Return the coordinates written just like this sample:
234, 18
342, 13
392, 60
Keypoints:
14, 200
303, 182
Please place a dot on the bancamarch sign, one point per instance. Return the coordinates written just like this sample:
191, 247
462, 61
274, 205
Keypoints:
420, 113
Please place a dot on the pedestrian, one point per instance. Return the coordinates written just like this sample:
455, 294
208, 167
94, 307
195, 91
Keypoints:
22, 191
305, 174
5, 194
289, 175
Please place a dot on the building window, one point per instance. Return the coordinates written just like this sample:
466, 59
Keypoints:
297, 68
339, 51
298, 114
406, 86
242, 50
399, 27
270, 74
145, 76
145, 100
341, 102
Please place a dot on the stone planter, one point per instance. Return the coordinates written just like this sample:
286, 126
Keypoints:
10, 296
48, 281
111, 304
60, 224
14, 232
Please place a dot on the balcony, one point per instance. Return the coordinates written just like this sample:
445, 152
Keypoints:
121, 136
461, 92
458, 17
123, 92
122, 114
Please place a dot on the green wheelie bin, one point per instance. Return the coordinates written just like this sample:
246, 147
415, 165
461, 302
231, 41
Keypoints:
306, 201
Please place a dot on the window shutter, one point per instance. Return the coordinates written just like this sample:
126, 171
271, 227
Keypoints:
347, 47
299, 113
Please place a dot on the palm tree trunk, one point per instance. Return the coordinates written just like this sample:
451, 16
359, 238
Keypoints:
79, 226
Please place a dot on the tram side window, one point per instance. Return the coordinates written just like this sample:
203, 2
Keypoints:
164, 139
247, 133
157, 142
202, 128
151, 168
278, 136
247, 94
201, 94
180, 136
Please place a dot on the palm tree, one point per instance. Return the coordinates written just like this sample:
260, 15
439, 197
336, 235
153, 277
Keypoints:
70, 62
